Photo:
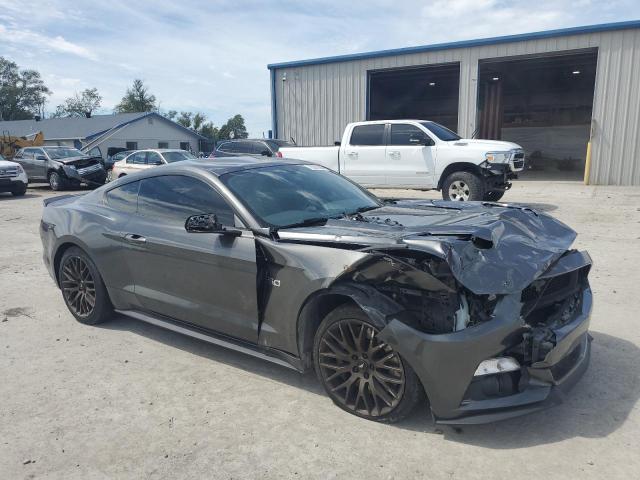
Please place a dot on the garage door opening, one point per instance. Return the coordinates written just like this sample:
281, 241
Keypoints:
429, 93
543, 104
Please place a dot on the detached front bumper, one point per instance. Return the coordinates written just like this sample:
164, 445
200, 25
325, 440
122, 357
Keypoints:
446, 363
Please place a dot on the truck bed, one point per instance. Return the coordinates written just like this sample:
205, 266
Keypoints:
326, 156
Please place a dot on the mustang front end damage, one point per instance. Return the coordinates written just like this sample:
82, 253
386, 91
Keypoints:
482, 358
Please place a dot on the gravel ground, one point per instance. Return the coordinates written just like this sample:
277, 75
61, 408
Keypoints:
129, 400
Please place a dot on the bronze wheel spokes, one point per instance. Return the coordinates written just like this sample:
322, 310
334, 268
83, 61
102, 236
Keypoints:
78, 286
364, 374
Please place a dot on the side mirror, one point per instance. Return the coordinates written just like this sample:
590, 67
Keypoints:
266, 153
41, 157
424, 141
208, 223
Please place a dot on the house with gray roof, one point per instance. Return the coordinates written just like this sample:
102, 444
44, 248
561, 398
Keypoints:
132, 131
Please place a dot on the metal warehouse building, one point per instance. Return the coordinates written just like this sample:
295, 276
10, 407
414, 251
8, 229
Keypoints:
552, 92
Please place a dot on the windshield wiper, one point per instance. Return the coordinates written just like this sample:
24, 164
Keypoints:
362, 210
307, 222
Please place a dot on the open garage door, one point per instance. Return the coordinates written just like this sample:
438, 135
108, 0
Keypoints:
544, 104
426, 92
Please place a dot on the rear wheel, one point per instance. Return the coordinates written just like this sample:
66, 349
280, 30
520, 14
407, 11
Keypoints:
82, 288
462, 187
494, 196
362, 374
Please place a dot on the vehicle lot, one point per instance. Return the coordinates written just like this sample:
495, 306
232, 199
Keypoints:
129, 400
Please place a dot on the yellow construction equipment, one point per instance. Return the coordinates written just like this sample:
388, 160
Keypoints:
9, 144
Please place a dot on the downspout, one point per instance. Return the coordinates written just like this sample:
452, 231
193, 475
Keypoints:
274, 104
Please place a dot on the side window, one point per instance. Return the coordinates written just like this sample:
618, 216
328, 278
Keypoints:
405, 134
124, 198
173, 198
243, 147
138, 158
154, 159
258, 147
368, 135
224, 147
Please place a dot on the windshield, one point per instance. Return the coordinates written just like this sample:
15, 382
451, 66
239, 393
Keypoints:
171, 157
63, 152
287, 195
443, 133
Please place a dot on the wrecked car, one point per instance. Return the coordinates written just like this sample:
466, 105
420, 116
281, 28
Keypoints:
480, 309
61, 167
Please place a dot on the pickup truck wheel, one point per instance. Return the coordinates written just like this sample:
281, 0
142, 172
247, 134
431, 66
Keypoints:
362, 374
462, 187
56, 182
494, 196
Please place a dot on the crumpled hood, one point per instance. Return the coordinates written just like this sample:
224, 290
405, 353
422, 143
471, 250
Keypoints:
71, 160
490, 248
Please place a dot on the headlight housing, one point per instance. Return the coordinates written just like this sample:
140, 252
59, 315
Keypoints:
19, 169
498, 157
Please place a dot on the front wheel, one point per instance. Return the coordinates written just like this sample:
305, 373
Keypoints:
362, 374
56, 182
19, 192
463, 187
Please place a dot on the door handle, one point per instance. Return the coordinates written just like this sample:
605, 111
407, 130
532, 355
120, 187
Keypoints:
353, 154
135, 238
394, 154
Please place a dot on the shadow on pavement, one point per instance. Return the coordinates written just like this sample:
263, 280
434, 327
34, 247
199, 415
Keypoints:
598, 405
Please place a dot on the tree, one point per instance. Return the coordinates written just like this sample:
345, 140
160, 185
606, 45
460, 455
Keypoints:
80, 105
22, 92
171, 114
185, 119
210, 131
236, 125
137, 99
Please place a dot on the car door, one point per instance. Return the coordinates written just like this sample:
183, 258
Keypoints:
205, 279
40, 164
365, 161
410, 156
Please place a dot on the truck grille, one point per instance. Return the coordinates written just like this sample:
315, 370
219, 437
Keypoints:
8, 172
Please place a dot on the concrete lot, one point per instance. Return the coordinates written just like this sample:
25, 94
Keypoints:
128, 400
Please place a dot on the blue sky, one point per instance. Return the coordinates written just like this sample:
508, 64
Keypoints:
211, 56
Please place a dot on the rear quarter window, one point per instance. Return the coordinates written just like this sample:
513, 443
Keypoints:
124, 198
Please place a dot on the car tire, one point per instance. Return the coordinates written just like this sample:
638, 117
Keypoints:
83, 289
494, 196
19, 192
361, 374
56, 182
463, 186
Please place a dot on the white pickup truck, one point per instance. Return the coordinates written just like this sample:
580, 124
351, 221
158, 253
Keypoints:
419, 154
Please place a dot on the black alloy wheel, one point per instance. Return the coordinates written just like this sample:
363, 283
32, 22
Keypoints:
363, 374
78, 286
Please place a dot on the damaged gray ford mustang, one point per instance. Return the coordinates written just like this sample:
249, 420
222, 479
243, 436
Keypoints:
480, 309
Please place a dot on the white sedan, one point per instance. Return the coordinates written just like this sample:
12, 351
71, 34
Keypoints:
143, 159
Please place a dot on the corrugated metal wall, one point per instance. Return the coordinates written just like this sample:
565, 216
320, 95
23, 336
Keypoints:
315, 102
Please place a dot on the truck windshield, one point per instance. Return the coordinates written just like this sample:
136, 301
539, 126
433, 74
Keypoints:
294, 195
443, 133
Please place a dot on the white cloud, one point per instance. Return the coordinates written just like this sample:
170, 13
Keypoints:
31, 40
